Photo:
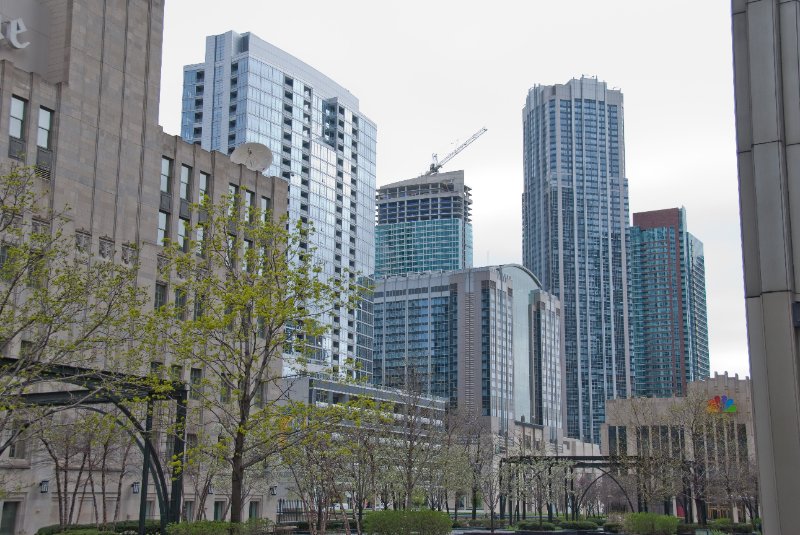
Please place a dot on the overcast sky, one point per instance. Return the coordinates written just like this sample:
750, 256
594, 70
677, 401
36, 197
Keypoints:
431, 73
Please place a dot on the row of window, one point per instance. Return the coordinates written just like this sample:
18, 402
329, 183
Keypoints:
18, 121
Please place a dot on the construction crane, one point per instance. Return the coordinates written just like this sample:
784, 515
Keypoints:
436, 165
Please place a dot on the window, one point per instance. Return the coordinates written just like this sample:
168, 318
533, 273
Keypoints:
253, 509
266, 206
233, 192
163, 228
161, 295
186, 183
45, 125
180, 303
201, 240
249, 261
195, 383
8, 521
219, 510
225, 389
188, 511
16, 126
249, 204
198, 307
183, 234
202, 187
176, 372
166, 173
18, 448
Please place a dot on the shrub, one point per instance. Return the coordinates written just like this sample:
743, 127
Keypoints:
687, 529
486, 523
614, 527
721, 524
89, 531
533, 525
152, 527
650, 524
578, 524
423, 522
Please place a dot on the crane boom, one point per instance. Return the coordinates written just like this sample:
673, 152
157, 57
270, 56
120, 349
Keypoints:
436, 165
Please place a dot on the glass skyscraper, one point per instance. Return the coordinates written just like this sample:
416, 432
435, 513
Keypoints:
575, 225
454, 331
248, 90
424, 225
668, 304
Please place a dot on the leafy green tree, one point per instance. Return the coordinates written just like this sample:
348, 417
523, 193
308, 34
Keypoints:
247, 292
60, 305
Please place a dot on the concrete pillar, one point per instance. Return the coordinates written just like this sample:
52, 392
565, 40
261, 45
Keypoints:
766, 51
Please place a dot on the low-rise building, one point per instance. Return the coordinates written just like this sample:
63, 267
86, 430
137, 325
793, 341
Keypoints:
706, 438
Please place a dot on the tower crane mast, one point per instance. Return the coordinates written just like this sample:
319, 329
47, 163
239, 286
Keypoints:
436, 164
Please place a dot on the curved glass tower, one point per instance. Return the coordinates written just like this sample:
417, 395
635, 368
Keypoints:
248, 90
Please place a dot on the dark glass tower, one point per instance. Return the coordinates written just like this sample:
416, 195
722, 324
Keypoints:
575, 224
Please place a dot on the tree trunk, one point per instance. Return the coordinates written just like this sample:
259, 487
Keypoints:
474, 503
237, 477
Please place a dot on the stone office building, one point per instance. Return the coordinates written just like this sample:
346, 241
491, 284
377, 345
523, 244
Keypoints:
79, 97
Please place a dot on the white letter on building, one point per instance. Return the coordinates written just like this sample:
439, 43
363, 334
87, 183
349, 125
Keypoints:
16, 27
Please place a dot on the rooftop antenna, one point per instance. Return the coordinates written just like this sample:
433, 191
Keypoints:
254, 156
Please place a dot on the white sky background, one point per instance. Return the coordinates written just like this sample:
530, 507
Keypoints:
432, 73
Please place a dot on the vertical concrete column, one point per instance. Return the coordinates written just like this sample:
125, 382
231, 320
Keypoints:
766, 51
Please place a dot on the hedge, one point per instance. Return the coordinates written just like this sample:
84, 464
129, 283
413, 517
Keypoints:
152, 527
650, 524
422, 522
215, 527
578, 524
533, 525
616, 527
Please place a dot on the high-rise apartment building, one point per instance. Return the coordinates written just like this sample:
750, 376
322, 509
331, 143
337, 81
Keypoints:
248, 90
486, 339
669, 323
423, 224
575, 223
451, 332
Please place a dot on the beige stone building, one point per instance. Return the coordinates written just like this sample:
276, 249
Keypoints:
711, 428
79, 98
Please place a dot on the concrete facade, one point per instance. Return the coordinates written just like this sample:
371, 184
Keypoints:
766, 53
642, 424
95, 66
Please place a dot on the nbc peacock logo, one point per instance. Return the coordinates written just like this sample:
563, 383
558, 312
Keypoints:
720, 404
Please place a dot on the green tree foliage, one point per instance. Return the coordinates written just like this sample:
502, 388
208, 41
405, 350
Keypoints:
60, 304
248, 293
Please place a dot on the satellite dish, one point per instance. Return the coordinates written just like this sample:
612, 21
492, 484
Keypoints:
254, 156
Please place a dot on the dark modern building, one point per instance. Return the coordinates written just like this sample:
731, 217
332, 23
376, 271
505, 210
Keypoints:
423, 224
247, 90
668, 304
575, 225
